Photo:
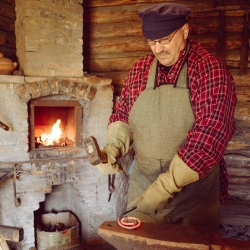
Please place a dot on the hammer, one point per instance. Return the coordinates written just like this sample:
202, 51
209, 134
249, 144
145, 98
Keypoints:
95, 155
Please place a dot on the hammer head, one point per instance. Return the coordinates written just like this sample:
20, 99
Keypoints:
95, 156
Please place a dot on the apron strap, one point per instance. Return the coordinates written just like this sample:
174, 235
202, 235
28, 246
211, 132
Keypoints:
181, 81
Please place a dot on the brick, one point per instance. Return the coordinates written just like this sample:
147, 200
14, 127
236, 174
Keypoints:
74, 88
44, 87
81, 90
24, 94
33, 89
91, 94
54, 86
65, 86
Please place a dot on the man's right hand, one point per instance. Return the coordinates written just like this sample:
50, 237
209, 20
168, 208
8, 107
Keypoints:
109, 167
118, 142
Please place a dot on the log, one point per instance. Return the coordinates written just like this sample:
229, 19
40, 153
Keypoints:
7, 39
234, 215
198, 26
129, 12
237, 160
235, 180
7, 10
241, 81
242, 84
6, 24
243, 172
240, 192
205, 6
12, 233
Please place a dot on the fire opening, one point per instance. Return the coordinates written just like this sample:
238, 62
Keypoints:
55, 123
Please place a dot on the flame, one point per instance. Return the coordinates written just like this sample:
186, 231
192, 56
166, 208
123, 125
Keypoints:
53, 136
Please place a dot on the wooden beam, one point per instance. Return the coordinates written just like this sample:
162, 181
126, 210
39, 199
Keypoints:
12, 233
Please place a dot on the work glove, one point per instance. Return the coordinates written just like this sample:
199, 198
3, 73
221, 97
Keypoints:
118, 142
157, 194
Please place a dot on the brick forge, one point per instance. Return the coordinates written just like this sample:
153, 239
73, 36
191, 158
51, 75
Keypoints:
55, 180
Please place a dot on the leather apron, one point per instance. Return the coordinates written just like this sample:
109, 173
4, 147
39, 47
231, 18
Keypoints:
160, 120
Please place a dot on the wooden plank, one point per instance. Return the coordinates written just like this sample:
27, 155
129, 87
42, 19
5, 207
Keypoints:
11, 233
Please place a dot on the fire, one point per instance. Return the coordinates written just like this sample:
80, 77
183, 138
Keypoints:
53, 136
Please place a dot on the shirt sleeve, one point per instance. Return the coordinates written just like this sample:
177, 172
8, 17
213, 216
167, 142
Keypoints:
213, 102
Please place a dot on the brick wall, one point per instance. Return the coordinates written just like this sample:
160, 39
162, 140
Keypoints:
44, 174
49, 37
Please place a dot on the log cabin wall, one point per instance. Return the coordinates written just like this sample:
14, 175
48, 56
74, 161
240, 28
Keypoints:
113, 42
7, 29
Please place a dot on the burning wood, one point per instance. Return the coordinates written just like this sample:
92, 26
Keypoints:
62, 142
53, 139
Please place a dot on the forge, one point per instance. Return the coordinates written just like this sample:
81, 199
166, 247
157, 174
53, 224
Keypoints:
55, 123
57, 178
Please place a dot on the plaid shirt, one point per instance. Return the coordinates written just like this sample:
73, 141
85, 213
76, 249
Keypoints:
213, 99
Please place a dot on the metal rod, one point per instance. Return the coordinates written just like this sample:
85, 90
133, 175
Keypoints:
4, 126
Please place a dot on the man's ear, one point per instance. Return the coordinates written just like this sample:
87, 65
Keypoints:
185, 30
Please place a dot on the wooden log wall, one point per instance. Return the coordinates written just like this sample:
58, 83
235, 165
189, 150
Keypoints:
7, 29
113, 42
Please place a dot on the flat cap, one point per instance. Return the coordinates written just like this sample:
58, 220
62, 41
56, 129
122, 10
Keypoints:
162, 19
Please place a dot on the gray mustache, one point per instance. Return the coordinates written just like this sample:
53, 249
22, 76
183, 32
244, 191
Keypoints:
162, 53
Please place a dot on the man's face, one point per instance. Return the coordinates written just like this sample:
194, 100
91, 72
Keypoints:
167, 54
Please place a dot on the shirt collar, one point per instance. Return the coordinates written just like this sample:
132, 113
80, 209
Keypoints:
174, 71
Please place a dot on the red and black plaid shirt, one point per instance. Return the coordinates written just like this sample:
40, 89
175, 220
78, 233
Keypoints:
213, 99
